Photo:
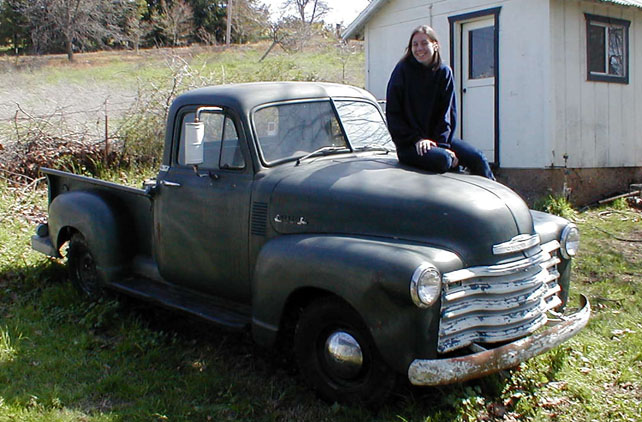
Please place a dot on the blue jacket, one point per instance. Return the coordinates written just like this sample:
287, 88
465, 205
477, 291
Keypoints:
420, 104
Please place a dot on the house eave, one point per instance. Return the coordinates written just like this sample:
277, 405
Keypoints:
356, 27
629, 3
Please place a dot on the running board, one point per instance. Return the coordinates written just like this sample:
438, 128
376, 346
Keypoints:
213, 309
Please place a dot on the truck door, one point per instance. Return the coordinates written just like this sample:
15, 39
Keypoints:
201, 215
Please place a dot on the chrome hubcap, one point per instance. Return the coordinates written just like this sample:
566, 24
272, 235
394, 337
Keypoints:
344, 356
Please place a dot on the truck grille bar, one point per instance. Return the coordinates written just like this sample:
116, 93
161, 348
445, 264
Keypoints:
498, 303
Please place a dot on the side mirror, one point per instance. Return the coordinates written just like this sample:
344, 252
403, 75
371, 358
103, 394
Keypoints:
194, 143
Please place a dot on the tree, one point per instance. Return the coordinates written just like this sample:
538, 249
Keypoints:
209, 20
308, 11
250, 21
306, 20
12, 24
175, 22
73, 23
133, 24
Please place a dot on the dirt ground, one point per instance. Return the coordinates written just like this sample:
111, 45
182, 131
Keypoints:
27, 89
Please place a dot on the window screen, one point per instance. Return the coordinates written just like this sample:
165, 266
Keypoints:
482, 53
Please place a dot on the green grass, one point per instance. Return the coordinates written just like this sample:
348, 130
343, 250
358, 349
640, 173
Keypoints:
64, 359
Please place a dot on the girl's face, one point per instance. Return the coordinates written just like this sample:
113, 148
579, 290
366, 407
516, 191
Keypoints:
423, 49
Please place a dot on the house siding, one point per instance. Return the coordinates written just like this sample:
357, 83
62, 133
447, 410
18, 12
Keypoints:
524, 100
597, 124
524, 123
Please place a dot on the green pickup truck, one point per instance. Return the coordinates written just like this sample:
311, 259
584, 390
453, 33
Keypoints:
281, 208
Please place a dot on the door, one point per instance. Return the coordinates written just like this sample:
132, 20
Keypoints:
476, 73
201, 215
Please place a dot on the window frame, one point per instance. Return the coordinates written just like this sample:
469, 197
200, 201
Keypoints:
608, 23
180, 118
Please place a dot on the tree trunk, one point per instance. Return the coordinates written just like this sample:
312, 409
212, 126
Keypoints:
228, 31
268, 51
70, 50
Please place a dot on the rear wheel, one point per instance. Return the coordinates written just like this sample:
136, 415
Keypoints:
82, 268
337, 356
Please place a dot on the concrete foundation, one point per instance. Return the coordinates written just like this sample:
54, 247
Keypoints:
582, 186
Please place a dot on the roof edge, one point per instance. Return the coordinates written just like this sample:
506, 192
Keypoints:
630, 3
360, 21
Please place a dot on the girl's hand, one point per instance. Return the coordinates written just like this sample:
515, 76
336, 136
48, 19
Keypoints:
424, 145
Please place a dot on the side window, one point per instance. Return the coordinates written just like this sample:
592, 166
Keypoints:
221, 148
607, 48
231, 156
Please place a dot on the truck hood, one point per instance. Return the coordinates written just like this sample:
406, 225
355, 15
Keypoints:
379, 197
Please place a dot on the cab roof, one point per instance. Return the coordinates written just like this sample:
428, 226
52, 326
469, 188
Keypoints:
246, 96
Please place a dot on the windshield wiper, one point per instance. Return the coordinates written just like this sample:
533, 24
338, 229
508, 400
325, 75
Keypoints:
373, 148
321, 151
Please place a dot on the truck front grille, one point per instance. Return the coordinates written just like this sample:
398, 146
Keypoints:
498, 303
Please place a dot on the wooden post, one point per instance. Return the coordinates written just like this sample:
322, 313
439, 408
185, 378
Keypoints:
106, 157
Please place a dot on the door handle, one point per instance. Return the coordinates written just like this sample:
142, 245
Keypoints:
464, 90
171, 184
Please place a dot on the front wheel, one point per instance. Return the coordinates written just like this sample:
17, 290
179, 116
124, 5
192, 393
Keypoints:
337, 356
82, 268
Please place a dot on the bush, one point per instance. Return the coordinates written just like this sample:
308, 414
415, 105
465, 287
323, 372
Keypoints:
557, 205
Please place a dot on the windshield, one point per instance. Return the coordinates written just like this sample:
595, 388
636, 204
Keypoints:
293, 130
364, 124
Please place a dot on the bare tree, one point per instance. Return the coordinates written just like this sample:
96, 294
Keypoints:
134, 26
250, 20
308, 11
74, 23
306, 19
174, 21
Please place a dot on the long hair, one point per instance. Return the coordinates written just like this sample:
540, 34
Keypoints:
432, 36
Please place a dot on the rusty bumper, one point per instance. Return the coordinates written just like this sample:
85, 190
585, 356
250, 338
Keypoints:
464, 368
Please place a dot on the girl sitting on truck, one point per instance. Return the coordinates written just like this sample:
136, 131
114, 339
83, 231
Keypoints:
421, 111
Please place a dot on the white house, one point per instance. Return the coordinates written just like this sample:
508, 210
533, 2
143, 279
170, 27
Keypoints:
551, 90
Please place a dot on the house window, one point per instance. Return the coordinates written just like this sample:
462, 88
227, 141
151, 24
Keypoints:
607, 44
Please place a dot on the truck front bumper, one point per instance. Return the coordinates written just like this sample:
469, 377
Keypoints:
463, 368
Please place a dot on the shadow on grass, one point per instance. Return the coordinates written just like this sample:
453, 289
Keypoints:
124, 359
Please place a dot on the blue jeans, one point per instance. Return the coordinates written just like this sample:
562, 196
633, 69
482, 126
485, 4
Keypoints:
440, 161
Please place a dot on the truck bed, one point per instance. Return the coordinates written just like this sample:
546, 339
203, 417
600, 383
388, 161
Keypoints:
135, 203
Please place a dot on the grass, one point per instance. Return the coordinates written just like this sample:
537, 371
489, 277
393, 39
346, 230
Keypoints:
64, 359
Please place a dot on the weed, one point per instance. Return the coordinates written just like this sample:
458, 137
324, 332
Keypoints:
557, 205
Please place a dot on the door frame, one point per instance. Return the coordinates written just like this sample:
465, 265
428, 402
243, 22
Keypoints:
456, 23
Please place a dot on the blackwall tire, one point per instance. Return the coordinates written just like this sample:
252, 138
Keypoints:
82, 268
367, 383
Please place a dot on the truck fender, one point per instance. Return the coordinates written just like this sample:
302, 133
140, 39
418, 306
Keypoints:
371, 275
99, 220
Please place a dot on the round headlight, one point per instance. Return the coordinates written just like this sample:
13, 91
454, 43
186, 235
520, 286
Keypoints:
425, 286
570, 241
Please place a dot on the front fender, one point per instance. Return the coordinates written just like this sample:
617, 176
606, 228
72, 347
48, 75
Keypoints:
372, 275
100, 221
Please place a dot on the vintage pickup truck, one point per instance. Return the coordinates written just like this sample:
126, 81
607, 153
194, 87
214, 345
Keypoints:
282, 208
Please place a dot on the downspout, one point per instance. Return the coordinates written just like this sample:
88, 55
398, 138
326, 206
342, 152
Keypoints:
430, 15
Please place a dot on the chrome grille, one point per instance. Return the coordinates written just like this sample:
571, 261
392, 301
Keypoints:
500, 302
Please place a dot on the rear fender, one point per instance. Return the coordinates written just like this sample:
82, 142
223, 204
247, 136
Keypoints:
100, 221
371, 275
